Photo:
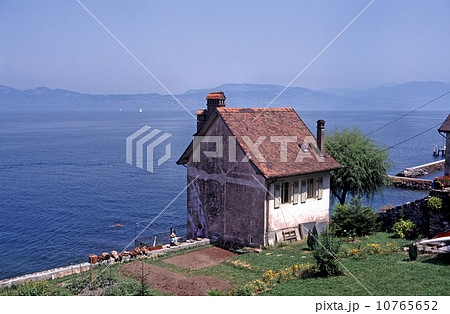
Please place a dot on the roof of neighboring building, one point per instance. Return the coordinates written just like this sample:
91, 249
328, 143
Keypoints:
249, 124
445, 127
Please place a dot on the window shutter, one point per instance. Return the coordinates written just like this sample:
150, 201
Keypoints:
277, 195
320, 188
295, 192
303, 192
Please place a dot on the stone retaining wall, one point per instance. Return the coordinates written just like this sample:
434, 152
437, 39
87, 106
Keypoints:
422, 170
411, 183
429, 223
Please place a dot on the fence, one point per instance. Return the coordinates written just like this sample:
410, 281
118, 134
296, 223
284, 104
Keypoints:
161, 238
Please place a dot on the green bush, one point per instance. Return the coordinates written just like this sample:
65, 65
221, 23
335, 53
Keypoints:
405, 229
325, 252
412, 252
434, 204
34, 288
354, 218
312, 238
214, 293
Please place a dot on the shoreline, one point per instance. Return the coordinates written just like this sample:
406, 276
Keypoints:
76, 268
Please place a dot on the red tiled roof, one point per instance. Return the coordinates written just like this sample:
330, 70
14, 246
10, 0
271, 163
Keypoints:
200, 111
445, 127
270, 122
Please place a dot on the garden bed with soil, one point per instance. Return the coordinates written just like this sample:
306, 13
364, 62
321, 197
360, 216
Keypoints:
174, 283
201, 258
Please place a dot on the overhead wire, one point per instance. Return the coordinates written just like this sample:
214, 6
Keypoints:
406, 114
412, 137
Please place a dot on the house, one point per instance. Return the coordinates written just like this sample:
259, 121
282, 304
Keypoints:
445, 128
256, 176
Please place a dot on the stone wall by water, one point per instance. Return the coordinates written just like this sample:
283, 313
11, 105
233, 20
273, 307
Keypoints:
429, 223
410, 183
422, 170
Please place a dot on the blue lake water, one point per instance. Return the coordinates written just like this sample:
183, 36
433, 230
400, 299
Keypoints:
64, 180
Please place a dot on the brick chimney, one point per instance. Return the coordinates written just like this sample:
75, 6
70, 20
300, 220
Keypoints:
213, 100
320, 135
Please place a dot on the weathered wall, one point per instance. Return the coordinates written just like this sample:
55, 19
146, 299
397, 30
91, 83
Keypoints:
290, 216
429, 223
226, 197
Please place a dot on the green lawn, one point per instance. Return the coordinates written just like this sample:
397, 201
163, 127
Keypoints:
392, 274
377, 274
386, 272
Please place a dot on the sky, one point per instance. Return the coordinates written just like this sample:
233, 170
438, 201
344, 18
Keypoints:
203, 44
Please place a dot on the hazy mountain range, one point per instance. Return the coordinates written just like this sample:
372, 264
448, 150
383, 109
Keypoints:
405, 96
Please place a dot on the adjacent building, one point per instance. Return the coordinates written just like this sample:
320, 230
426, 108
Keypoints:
444, 129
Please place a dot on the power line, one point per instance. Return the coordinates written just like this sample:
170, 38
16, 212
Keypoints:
401, 117
412, 137
135, 58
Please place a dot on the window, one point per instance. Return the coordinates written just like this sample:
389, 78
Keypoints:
303, 191
277, 192
311, 189
319, 188
285, 193
295, 192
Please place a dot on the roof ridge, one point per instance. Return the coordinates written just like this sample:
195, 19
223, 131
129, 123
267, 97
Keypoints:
225, 109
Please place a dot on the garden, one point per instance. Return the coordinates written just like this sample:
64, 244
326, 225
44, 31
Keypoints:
373, 264
351, 257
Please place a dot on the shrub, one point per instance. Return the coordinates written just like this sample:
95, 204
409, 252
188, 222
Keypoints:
325, 252
434, 204
405, 229
386, 208
445, 180
272, 278
214, 292
354, 218
412, 252
312, 238
34, 288
372, 249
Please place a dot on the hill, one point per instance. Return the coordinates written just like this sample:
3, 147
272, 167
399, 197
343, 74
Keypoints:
386, 97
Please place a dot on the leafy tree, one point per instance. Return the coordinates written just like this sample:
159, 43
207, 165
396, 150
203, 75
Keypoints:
365, 164
354, 218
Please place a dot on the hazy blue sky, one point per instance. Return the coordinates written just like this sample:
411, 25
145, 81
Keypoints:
202, 44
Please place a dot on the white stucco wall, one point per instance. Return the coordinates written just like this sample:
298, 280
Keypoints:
289, 215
